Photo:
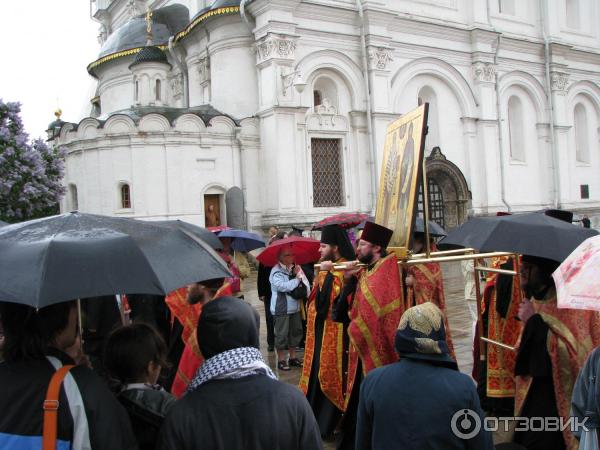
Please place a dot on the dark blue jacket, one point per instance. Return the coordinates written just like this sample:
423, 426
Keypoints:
410, 405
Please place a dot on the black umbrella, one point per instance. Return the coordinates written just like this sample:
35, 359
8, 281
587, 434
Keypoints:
534, 234
434, 229
75, 255
201, 233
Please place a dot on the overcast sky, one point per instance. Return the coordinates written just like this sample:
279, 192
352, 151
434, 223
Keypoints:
46, 46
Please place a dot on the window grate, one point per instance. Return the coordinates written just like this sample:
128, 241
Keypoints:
327, 177
436, 203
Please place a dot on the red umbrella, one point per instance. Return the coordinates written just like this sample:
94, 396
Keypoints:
344, 220
305, 250
218, 228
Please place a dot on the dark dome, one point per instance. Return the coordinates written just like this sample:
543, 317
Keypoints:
150, 54
166, 22
55, 124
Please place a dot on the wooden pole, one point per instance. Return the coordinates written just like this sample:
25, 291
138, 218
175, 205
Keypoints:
482, 346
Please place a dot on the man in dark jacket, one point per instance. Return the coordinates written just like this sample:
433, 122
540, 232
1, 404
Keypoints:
421, 401
89, 416
235, 401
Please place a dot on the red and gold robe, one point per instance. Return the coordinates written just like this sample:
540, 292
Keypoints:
572, 335
429, 287
188, 315
500, 361
374, 317
332, 345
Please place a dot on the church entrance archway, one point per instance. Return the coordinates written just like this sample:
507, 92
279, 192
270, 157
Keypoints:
449, 194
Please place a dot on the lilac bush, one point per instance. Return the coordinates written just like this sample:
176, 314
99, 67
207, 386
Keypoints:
30, 172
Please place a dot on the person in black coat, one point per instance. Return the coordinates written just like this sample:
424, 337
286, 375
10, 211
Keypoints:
36, 342
235, 401
421, 401
134, 355
263, 286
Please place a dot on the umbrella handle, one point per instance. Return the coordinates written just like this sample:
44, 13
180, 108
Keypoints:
80, 323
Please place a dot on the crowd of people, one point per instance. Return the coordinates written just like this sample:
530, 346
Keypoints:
378, 368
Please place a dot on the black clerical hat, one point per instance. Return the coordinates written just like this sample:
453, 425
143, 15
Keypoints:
376, 234
335, 235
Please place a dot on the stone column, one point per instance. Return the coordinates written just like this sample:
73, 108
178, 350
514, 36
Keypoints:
559, 81
486, 158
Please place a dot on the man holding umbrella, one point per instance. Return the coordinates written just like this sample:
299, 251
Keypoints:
325, 356
371, 304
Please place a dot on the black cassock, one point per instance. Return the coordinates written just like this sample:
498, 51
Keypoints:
326, 413
533, 359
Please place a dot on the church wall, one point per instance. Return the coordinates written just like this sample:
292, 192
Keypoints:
168, 173
443, 49
115, 86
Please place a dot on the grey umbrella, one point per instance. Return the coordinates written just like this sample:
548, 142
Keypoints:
76, 255
201, 233
434, 229
534, 234
2, 223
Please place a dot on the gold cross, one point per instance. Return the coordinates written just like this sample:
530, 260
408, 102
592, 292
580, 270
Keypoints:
149, 22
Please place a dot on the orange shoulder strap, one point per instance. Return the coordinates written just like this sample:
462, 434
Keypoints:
51, 408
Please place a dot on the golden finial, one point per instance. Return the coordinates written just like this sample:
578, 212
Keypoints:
149, 15
58, 113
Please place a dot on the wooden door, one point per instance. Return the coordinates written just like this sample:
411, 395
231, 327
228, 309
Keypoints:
212, 210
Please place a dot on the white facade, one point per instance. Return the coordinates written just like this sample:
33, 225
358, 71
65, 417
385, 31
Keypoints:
513, 87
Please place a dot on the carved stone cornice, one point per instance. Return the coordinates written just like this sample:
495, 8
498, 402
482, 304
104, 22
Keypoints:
559, 82
483, 72
379, 57
274, 46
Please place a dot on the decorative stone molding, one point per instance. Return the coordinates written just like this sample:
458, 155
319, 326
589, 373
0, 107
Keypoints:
484, 72
273, 46
204, 69
176, 83
559, 82
133, 10
326, 118
379, 57
102, 34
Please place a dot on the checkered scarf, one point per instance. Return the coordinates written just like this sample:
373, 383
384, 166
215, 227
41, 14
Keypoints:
236, 363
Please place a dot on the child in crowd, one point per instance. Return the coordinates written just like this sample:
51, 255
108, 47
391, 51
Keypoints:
134, 355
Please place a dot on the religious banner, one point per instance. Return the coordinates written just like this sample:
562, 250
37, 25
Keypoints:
401, 173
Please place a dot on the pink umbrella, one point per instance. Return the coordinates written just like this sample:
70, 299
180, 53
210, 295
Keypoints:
577, 279
305, 251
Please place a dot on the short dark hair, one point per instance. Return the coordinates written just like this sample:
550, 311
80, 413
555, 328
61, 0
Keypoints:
130, 349
29, 332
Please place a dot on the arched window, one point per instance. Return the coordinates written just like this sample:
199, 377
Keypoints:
581, 134
74, 201
572, 14
427, 95
157, 89
327, 89
317, 98
515, 129
125, 196
137, 91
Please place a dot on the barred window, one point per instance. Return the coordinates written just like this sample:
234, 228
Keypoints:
125, 196
327, 176
436, 202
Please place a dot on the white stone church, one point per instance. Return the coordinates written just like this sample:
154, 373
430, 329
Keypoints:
275, 111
